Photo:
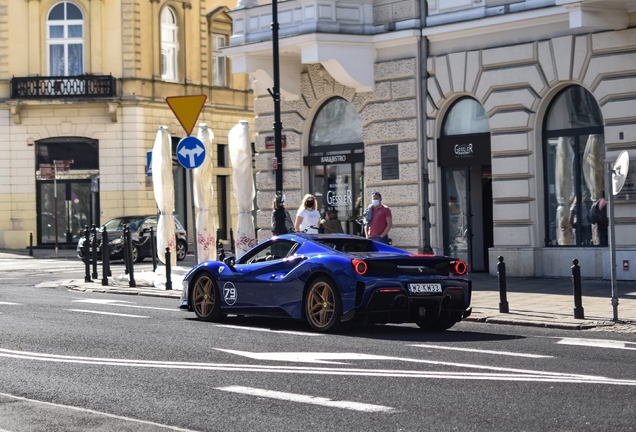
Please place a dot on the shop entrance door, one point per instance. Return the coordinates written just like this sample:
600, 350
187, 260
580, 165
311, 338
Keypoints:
468, 229
457, 232
75, 205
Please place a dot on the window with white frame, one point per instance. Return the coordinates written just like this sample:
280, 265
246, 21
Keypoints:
219, 61
169, 44
65, 40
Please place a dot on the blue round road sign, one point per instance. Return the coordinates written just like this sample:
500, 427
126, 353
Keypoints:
190, 152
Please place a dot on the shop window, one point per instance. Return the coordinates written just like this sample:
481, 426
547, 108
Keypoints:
336, 162
219, 62
574, 155
466, 116
65, 40
169, 45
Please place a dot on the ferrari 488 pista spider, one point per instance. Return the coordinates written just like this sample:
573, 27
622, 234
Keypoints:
329, 279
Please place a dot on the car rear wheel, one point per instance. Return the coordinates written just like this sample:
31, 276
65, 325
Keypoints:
206, 299
323, 306
182, 250
136, 256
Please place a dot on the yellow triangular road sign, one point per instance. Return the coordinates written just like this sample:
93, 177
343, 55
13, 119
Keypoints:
186, 109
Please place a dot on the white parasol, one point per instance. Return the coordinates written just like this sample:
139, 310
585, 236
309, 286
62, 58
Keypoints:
243, 184
203, 193
163, 187
594, 165
564, 190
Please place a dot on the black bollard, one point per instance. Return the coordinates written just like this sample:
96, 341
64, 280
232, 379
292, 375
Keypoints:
232, 246
94, 254
168, 278
576, 287
87, 259
501, 272
126, 252
128, 246
30, 244
105, 258
153, 249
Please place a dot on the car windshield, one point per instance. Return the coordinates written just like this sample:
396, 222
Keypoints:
118, 224
349, 245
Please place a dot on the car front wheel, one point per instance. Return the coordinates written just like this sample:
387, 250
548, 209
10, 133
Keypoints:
323, 306
182, 250
206, 300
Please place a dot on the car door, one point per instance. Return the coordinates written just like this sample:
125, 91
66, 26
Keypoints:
259, 277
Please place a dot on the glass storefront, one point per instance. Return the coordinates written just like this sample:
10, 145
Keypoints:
574, 153
463, 153
336, 162
77, 206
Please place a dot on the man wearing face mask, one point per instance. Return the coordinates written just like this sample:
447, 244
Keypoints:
381, 220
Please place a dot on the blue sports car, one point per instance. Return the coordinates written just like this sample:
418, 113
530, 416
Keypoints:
329, 279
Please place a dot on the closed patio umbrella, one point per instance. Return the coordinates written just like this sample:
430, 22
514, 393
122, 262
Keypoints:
243, 184
163, 187
203, 194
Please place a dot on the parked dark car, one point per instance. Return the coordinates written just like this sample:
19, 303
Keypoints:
140, 231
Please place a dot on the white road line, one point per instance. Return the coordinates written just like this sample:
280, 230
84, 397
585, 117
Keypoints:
506, 353
598, 343
267, 330
107, 313
90, 411
494, 373
118, 303
294, 397
9, 303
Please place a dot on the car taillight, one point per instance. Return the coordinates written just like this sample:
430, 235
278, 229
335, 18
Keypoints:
359, 266
460, 267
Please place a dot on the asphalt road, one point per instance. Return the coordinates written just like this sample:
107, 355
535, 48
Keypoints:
75, 361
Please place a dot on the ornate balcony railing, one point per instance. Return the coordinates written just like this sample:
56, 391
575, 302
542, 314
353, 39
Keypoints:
55, 87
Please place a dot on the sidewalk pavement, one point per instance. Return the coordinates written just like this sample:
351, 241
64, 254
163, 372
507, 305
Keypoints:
539, 302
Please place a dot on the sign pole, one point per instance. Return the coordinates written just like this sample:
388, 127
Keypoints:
612, 240
194, 217
275, 93
55, 203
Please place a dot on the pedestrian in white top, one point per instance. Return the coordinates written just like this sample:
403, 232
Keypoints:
307, 215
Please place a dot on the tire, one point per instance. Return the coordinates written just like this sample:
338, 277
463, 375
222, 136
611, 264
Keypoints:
136, 256
182, 250
205, 298
437, 325
323, 306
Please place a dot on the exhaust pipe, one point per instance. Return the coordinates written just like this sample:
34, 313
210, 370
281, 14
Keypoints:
446, 301
400, 301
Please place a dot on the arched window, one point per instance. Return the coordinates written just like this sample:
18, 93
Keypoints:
65, 40
169, 44
466, 116
336, 160
574, 154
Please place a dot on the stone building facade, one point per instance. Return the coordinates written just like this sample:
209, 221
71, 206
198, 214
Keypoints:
504, 115
86, 81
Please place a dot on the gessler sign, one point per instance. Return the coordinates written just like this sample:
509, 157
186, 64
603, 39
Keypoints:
464, 150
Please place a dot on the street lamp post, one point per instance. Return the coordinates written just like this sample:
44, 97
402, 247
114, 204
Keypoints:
275, 93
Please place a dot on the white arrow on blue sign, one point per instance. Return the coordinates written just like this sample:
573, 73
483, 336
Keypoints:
190, 152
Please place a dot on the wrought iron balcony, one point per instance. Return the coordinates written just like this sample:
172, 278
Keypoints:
55, 87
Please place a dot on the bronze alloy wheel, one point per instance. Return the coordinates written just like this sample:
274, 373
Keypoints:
205, 300
323, 307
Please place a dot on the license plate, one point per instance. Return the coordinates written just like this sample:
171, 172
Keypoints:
425, 288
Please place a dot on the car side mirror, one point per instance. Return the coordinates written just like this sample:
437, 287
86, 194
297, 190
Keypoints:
229, 261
